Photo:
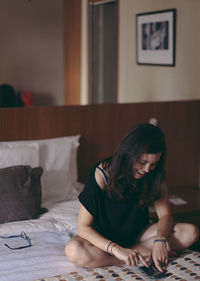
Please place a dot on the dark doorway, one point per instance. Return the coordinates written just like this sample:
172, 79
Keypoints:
103, 51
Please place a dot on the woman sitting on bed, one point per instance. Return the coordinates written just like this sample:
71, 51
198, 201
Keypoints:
113, 225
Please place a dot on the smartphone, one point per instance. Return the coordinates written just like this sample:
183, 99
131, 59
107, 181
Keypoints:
153, 272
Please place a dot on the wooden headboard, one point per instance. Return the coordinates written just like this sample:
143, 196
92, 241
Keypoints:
102, 126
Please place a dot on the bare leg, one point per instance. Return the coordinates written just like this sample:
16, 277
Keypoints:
82, 253
183, 235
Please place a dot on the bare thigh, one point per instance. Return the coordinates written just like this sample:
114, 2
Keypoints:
148, 233
182, 235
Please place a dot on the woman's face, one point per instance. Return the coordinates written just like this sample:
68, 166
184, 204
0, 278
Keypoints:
145, 164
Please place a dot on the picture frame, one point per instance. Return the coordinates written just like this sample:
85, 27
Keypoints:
156, 38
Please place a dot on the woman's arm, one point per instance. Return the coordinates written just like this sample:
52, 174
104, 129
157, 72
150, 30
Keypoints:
165, 219
164, 227
85, 219
85, 230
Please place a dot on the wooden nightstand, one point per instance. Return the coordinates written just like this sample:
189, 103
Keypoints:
189, 212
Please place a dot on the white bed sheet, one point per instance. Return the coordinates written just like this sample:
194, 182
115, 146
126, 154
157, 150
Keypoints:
49, 235
60, 216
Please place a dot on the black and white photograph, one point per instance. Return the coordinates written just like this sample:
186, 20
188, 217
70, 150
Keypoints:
156, 37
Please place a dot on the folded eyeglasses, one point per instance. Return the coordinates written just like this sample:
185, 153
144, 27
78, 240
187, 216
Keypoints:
23, 236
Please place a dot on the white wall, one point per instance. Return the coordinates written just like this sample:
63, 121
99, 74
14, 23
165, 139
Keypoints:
31, 48
159, 83
32, 51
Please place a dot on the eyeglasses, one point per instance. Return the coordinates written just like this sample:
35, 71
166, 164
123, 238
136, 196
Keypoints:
23, 236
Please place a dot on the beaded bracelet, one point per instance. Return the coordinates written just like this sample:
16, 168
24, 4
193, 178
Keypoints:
160, 240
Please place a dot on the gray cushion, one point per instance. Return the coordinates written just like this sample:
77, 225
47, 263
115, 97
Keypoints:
20, 193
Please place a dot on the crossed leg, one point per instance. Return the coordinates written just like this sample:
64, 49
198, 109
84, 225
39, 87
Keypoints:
183, 235
82, 253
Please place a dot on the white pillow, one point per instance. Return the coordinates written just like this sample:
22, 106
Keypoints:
58, 158
22, 155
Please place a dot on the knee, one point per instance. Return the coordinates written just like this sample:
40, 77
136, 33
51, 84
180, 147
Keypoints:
72, 250
193, 233
188, 233
76, 253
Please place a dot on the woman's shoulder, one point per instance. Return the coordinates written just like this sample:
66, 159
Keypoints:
101, 173
96, 182
101, 176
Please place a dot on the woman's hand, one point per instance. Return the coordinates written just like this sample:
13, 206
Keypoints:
129, 256
160, 254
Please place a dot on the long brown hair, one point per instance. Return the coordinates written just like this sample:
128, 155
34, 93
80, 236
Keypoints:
143, 138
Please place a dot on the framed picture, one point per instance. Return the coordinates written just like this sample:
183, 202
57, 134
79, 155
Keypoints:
155, 37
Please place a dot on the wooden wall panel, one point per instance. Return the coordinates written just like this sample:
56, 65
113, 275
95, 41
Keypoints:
102, 126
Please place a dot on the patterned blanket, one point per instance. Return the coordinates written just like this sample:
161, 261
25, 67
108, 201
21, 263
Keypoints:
186, 267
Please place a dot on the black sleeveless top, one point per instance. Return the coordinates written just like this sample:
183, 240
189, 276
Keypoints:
120, 221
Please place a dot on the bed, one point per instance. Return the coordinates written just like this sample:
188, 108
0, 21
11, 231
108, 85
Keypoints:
49, 151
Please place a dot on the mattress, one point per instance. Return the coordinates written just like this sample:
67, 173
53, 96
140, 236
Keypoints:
45, 260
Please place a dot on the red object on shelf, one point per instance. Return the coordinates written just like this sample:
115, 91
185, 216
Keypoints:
27, 97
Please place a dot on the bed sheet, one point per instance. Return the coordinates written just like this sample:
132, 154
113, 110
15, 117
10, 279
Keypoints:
49, 235
45, 258
60, 216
